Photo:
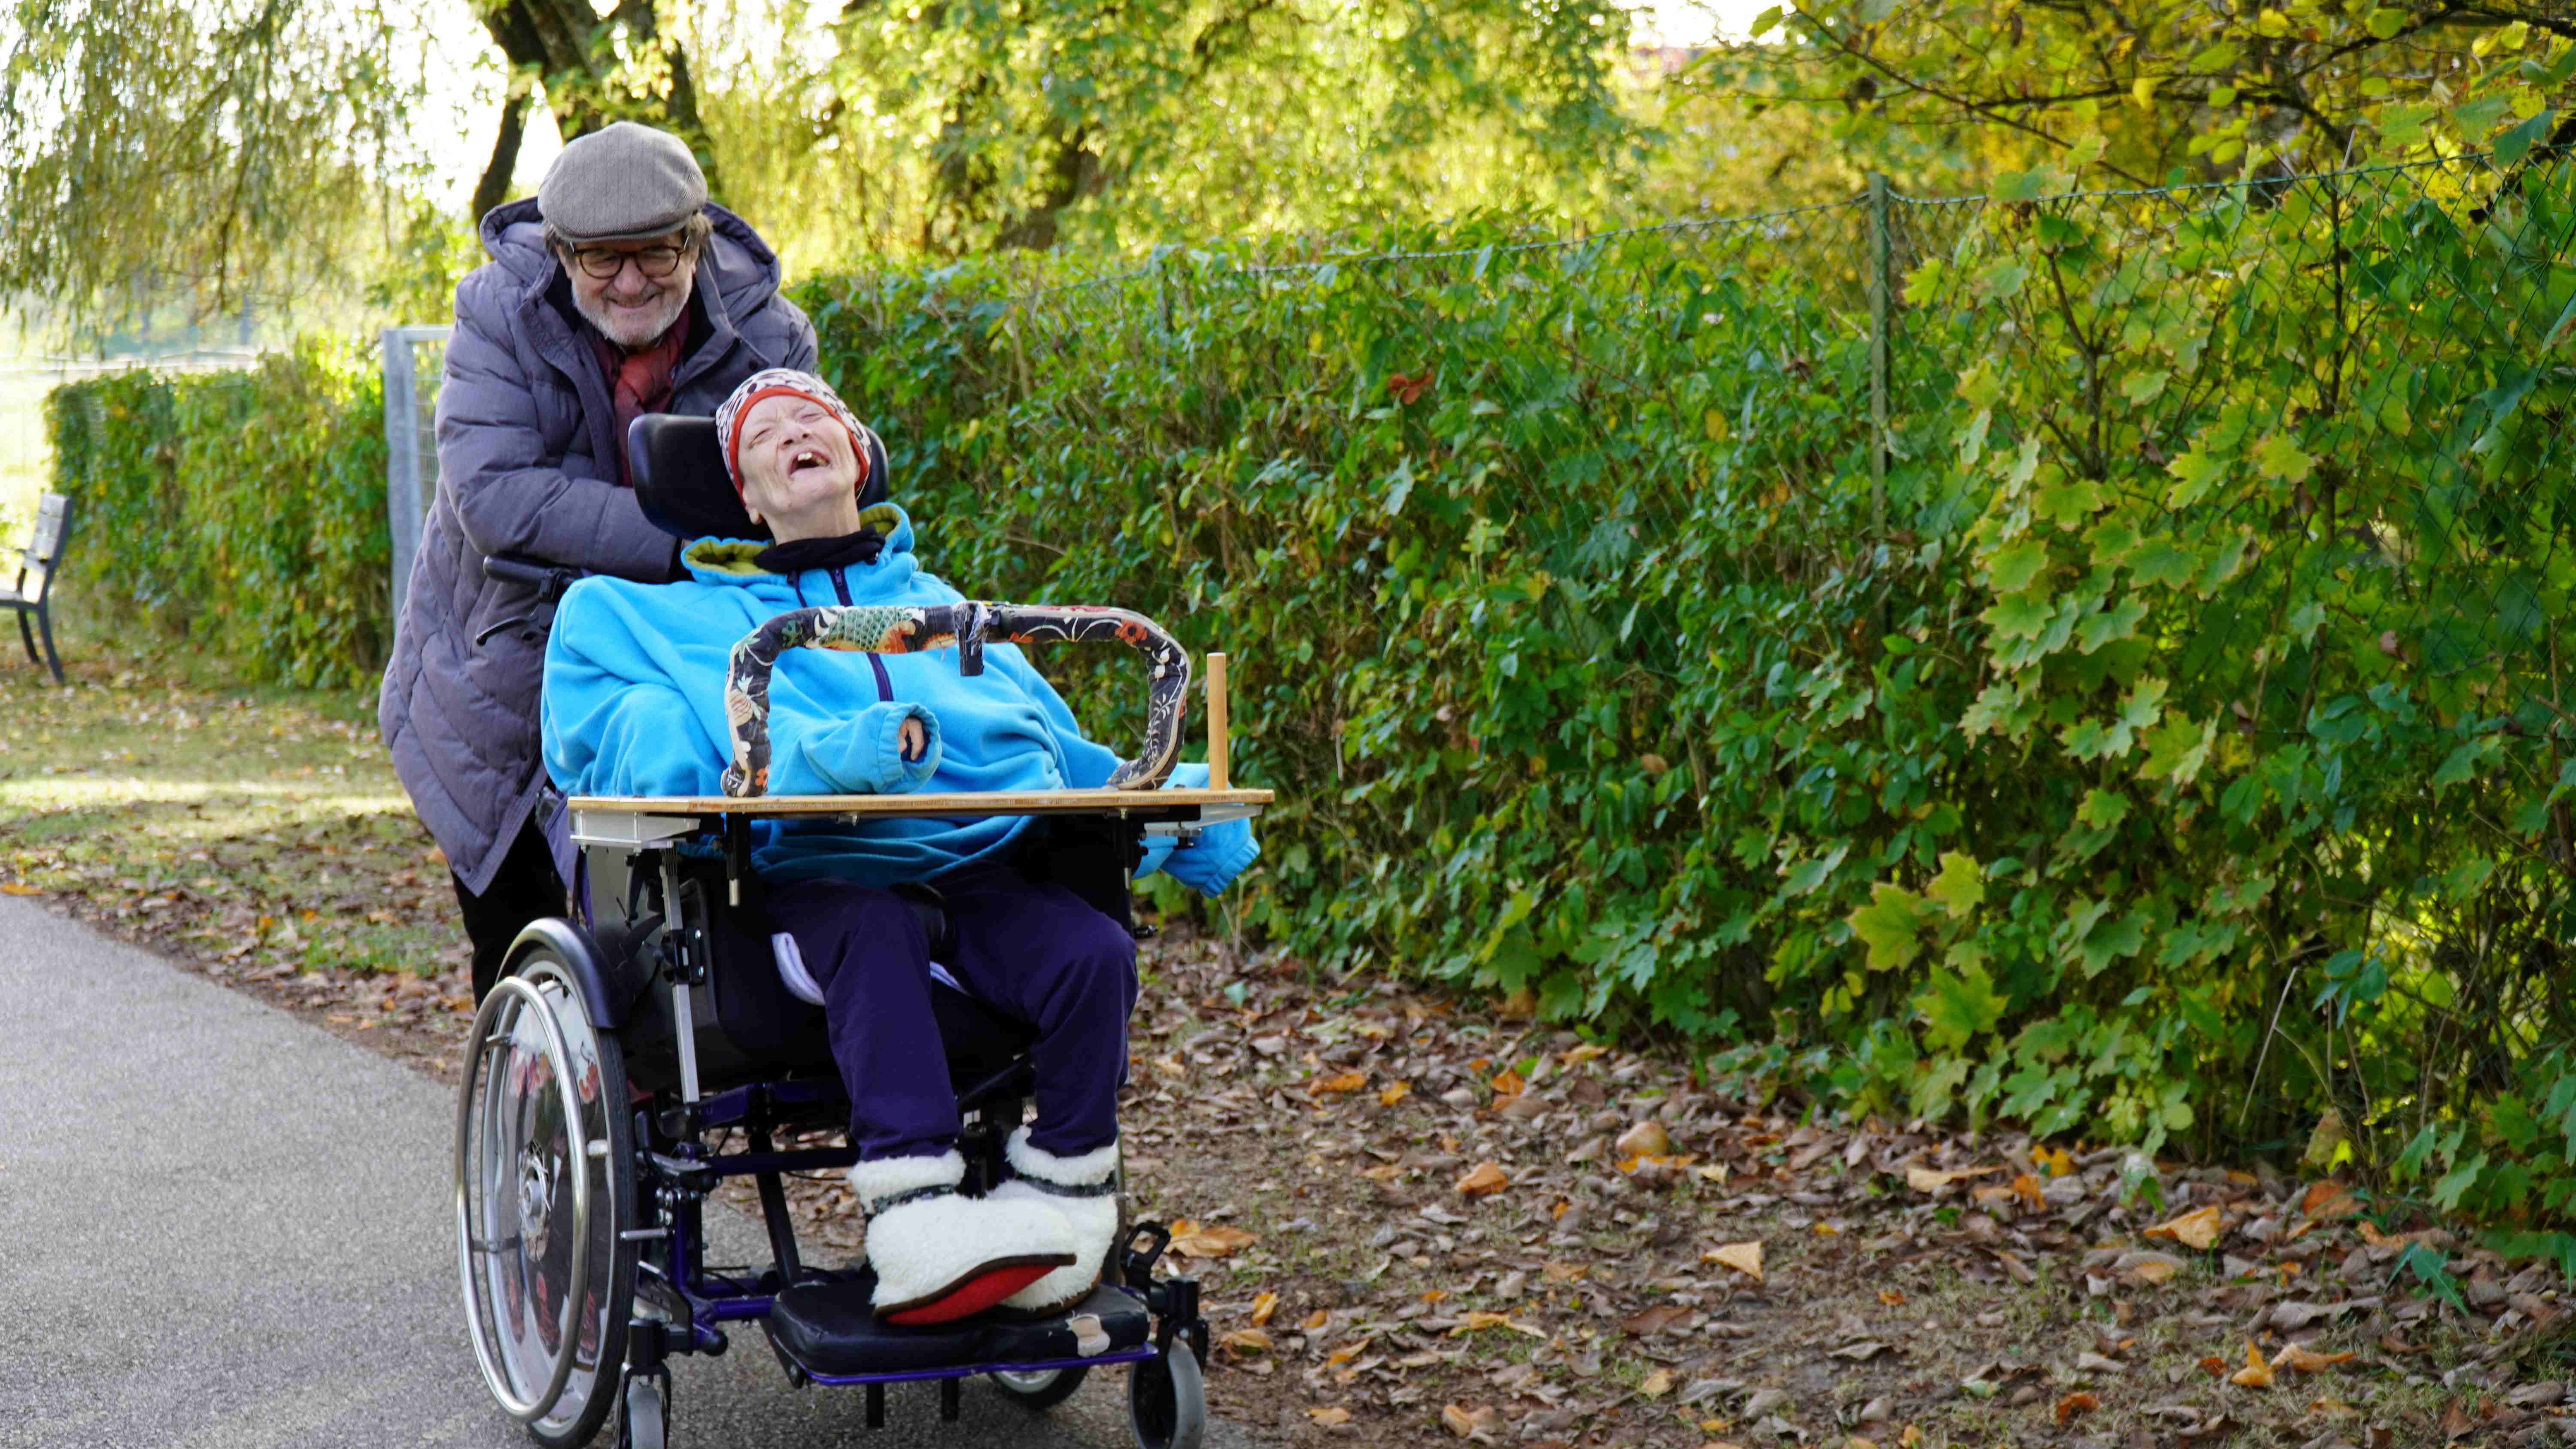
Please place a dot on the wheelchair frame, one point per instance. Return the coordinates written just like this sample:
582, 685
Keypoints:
655, 1167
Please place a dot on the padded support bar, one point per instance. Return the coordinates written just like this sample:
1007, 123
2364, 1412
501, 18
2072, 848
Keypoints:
902, 629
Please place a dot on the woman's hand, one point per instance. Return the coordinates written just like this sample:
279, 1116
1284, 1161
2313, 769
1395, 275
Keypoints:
911, 740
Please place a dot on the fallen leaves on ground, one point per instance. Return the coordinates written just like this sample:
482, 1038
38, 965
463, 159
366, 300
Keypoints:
1323, 1147
1212, 1240
1467, 1423
1930, 1180
2197, 1229
2306, 1360
1744, 1258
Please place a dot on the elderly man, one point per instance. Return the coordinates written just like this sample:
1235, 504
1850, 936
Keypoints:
619, 290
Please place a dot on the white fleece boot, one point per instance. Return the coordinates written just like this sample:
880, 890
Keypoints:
1083, 1191
939, 1255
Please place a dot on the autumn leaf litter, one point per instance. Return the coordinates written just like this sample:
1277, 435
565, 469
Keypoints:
1419, 1224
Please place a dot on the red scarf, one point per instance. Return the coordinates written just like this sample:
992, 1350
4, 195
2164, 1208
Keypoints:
639, 382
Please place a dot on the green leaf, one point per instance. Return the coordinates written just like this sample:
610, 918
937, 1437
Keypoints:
2116, 622
2103, 809
2464, 761
1812, 873
2015, 186
2517, 142
2476, 118
1888, 926
2020, 617
2197, 473
1957, 1006
2393, 415
2278, 456
2145, 387
2093, 739
2144, 704
2456, 1183
2013, 566
2223, 565
1764, 23
2016, 566
2384, 23
1960, 887
2000, 278
2110, 940
2431, 1269
2159, 561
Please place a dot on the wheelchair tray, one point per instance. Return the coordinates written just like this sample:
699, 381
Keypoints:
647, 819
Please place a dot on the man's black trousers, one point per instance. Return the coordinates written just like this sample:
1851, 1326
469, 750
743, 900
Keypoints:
526, 889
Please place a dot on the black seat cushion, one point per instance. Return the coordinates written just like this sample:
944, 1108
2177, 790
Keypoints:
828, 1328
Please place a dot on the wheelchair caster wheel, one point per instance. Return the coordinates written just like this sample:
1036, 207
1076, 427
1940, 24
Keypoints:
1167, 1401
646, 1422
1041, 1390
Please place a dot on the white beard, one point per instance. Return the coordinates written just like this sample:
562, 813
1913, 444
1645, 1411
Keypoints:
674, 301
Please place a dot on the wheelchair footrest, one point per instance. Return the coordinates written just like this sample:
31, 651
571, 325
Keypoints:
828, 1330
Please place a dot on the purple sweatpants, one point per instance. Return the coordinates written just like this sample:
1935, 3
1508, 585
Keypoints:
1036, 953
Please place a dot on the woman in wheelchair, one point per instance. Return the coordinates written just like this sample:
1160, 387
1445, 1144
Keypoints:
633, 684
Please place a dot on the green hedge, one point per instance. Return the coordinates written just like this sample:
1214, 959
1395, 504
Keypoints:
2170, 751
243, 511
2179, 760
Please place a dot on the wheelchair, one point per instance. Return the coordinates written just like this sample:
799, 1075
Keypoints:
633, 1057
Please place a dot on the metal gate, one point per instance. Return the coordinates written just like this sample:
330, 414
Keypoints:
414, 360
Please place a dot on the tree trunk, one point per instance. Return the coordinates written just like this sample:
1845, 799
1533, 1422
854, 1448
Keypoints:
1074, 175
494, 187
561, 41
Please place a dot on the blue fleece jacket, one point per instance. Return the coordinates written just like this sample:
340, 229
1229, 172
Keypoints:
634, 705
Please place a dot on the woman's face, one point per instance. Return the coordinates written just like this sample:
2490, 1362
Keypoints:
800, 469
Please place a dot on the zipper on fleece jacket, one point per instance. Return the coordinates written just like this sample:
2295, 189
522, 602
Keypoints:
885, 681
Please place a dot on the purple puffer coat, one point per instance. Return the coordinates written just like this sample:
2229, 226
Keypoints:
525, 438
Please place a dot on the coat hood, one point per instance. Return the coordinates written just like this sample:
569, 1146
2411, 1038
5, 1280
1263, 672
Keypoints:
738, 266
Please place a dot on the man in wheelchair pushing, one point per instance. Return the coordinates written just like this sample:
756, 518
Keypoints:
633, 705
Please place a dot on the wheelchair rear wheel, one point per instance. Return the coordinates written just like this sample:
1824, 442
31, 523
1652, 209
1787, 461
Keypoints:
544, 1196
1042, 1389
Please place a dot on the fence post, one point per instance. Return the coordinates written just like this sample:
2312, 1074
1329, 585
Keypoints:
402, 457
1879, 284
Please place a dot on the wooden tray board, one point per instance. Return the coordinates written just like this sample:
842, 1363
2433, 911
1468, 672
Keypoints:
947, 806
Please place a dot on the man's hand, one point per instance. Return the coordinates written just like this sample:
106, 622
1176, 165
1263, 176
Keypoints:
911, 740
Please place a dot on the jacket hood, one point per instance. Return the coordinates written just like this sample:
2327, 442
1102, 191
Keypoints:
739, 266
731, 560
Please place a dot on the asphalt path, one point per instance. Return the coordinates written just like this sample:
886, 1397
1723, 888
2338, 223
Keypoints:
221, 1228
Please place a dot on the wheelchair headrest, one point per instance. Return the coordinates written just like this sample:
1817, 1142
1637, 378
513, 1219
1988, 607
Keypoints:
680, 477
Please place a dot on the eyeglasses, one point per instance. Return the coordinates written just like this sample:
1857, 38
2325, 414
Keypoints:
603, 263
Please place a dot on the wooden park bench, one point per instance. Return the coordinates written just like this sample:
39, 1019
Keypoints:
44, 551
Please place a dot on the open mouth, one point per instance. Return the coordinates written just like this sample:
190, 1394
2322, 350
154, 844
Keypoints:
804, 459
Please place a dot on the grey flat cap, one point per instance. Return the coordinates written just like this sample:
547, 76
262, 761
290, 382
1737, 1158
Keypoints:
623, 182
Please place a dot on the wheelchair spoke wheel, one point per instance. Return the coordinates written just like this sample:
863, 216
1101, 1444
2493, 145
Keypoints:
544, 1194
1167, 1400
1042, 1389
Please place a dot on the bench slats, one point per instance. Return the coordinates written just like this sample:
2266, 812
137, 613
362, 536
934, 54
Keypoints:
45, 545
